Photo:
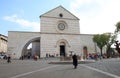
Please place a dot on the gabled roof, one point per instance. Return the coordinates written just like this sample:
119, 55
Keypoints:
59, 10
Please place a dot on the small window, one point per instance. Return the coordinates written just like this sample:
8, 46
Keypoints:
61, 15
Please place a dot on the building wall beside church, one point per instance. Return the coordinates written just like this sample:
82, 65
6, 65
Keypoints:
18, 40
3, 43
87, 40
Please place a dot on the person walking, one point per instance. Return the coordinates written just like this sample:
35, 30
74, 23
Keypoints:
75, 61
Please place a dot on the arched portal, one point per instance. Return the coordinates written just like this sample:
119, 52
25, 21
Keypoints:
31, 48
62, 45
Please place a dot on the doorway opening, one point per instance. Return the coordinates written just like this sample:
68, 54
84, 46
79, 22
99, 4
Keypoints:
62, 50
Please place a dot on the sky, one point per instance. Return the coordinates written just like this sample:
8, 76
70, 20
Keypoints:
96, 16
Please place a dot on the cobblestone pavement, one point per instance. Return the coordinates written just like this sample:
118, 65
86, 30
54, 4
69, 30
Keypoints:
108, 65
107, 68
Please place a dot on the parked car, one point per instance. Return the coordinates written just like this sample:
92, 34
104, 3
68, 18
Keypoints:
3, 56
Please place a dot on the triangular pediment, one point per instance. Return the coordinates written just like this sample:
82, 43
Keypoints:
59, 12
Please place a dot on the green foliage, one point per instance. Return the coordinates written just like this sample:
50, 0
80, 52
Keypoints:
112, 39
117, 27
101, 40
106, 39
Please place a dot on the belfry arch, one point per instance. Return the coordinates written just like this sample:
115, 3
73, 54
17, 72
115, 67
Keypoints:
34, 50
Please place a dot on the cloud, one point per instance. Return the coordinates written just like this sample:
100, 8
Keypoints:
22, 22
96, 16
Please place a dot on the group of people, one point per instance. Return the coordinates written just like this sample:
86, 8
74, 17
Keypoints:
74, 57
36, 57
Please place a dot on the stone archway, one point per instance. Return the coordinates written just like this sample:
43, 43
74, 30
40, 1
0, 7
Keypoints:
62, 45
35, 48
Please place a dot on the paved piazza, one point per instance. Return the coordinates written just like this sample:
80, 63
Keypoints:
109, 68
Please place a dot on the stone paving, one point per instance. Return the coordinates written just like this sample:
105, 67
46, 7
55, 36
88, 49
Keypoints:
108, 65
111, 65
19, 67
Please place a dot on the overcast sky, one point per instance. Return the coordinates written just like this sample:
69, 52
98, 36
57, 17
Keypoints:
96, 16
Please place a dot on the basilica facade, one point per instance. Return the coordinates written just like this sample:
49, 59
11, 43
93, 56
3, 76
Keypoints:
59, 36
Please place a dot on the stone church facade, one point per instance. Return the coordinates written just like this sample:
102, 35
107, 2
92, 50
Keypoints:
59, 35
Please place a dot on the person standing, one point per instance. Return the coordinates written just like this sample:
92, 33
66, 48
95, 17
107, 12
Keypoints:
75, 60
9, 59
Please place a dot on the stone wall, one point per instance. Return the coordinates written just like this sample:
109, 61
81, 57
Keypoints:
18, 40
50, 43
50, 25
86, 40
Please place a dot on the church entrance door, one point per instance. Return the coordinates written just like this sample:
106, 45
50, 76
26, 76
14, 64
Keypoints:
62, 50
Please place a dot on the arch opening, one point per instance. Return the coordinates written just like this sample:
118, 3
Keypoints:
62, 45
31, 48
85, 52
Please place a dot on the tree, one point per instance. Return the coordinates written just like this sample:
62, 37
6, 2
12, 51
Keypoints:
117, 30
107, 39
109, 50
112, 40
101, 40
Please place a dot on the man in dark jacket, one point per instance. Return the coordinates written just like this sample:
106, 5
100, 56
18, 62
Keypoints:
75, 60
9, 59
